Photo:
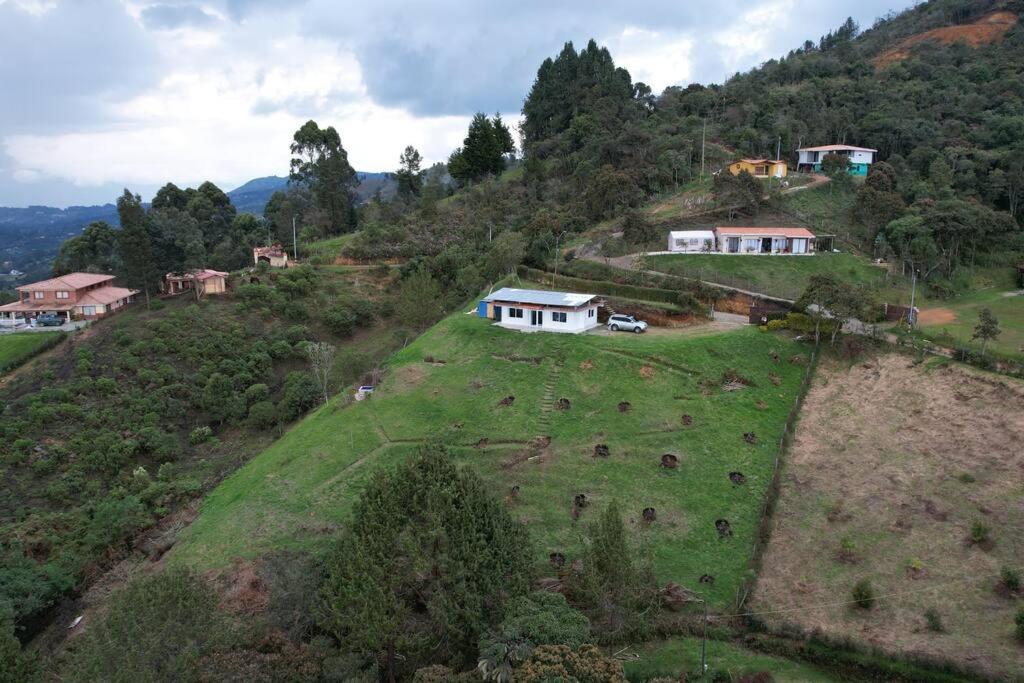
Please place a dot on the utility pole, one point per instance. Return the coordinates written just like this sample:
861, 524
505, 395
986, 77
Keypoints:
778, 149
913, 291
560, 235
703, 136
295, 241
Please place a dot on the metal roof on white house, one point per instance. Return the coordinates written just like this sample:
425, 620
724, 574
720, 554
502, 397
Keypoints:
539, 297
692, 234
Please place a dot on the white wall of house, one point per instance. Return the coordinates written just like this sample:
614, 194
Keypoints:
856, 157
691, 241
576, 321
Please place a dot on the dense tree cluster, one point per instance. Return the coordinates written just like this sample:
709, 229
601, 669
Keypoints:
181, 230
483, 152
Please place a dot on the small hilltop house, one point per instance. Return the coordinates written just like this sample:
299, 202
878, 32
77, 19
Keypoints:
759, 240
691, 241
760, 168
860, 158
274, 256
537, 310
202, 282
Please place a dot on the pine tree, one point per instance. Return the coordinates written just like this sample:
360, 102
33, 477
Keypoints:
425, 567
408, 175
139, 269
987, 328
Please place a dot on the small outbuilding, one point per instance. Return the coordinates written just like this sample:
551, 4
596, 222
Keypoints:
539, 310
202, 282
691, 241
274, 256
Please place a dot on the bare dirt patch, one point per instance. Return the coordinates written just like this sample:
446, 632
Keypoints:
878, 458
936, 316
989, 29
646, 371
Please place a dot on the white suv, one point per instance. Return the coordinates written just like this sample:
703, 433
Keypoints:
626, 323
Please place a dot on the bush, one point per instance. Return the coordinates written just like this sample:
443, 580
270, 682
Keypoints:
774, 325
200, 435
16, 665
340, 320
300, 394
540, 618
864, 594
1019, 620
934, 620
980, 532
262, 415
1010, 578
156, 629
561, 663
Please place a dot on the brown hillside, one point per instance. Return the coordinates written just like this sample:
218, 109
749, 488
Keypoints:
989, 29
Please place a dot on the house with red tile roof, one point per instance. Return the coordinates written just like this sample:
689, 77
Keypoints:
764, 240
201, 281
73, 296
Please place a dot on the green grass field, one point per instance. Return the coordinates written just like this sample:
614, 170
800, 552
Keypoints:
1007, 307
781, 276
17, 348
297, 492
669, 658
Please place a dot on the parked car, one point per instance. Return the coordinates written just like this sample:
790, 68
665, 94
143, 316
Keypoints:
49, 320
626, 323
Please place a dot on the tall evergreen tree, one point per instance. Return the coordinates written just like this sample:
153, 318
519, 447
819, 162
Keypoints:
320, 163
424, 568
139, 268
408, 175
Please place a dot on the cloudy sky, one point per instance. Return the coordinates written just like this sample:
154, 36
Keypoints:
97, 95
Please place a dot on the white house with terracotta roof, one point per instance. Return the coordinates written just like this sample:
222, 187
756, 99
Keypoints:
763, 240
72, 296
860, 157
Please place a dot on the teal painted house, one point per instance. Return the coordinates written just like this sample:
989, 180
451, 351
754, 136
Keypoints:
860, 158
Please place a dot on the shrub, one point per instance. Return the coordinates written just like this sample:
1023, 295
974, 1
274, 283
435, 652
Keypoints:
200, 435
775, 325
561, 663
863, 594
340, 320
980, 532
15, 663
256, 393
934, 620
1010, 578
300, 394
540, 618
262, 415
156, 629
1019, 620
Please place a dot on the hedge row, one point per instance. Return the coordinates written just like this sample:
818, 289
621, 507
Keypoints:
605, 287
51, 341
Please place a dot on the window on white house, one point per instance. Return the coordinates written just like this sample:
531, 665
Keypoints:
38, 295
62, 295
88, 310
558, 317
515, 313
590, 312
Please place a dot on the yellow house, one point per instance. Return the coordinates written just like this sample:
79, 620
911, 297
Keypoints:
760, 168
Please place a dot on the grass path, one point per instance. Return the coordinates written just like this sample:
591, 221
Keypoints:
448, 386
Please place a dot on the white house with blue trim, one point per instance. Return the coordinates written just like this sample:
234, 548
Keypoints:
537, 310
860, 157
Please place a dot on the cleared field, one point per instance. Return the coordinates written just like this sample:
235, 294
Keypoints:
958, 317
670, 658
781, 276
17, 348
891, 466
454, 385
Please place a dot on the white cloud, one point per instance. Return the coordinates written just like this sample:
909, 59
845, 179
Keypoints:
658, 58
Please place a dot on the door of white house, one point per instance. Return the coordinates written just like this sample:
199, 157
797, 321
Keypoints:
537, 318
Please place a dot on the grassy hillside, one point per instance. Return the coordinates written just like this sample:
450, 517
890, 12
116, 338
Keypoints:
781, 276
17, 348
449, 386
956, 319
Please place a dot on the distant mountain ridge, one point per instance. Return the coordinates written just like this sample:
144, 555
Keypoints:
30, 236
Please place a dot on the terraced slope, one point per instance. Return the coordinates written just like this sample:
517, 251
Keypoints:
494, 397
